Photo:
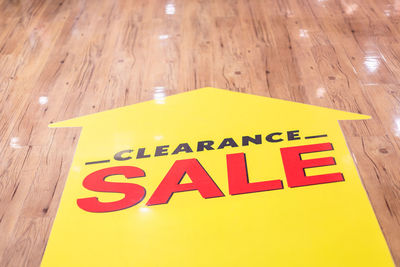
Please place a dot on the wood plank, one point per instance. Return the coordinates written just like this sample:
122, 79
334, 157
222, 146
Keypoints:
62, 59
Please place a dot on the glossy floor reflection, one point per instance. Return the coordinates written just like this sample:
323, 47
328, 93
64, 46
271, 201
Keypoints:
63, 59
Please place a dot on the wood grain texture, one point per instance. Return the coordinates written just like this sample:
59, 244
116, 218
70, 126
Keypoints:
63, 59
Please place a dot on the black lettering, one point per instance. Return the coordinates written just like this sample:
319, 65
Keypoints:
201, 145
161, 151
183, 148
118, 155
293, 135
141, 153
270, 138
247, 139
227, 142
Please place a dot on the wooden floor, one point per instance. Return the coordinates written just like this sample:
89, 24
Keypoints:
62, 59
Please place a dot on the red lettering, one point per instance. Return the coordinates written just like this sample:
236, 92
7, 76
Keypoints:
294, 165
201, 181
238, 178
96, 182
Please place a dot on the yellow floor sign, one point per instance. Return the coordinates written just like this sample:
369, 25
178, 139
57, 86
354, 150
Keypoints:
214, 178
